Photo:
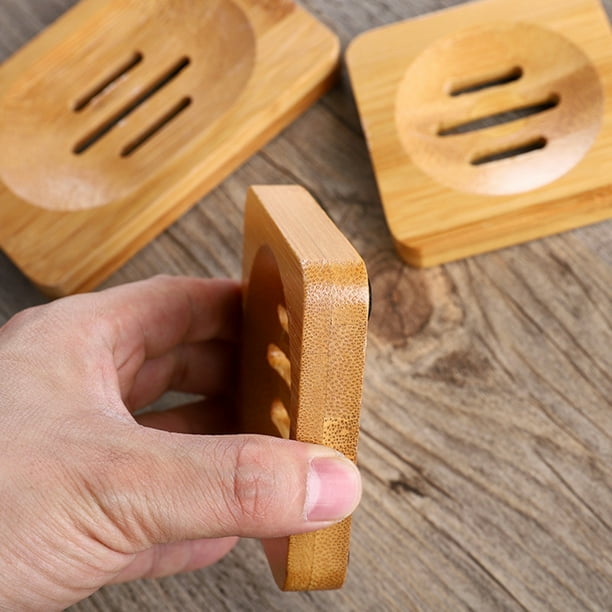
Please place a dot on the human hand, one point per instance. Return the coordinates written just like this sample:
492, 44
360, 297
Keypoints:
91, 495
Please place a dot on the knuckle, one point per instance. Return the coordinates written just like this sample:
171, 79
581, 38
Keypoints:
162, 279
48, 320
254, 487
23, 336
22, 319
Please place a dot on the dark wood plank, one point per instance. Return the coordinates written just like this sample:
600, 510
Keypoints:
486, 448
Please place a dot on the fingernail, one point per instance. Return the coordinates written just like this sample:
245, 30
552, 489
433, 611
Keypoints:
333, 489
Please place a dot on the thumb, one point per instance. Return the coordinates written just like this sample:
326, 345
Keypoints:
184, 487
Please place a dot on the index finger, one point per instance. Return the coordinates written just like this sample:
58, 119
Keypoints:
149, 318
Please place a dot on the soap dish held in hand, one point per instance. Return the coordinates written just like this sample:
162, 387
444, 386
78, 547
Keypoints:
306, 306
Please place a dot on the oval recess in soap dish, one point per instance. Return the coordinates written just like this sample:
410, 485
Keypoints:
120, 99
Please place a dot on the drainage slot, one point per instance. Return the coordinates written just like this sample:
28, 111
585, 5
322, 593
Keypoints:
280, 418
500, 118
283, 318
87, 142
156, 127
474, 85
528, 147
280, 363
87, 99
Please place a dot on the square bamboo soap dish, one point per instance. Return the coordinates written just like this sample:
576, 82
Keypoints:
488, 124
123, 113
306, 306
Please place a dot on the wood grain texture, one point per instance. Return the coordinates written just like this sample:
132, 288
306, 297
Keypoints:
486, 436
306, 303
129, 117
489, 124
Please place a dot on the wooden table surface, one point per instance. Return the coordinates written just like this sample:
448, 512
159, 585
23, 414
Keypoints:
486, 445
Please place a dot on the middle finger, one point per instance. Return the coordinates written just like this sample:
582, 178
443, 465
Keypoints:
206, 368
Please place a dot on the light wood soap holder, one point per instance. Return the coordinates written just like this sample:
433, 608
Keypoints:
305, 323
124, 112
488, 124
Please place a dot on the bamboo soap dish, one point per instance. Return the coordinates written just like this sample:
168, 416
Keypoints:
124, 112
305, 323
488, 124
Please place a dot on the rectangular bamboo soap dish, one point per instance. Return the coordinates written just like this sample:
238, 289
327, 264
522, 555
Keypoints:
488, 124
123, 113
306, 304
